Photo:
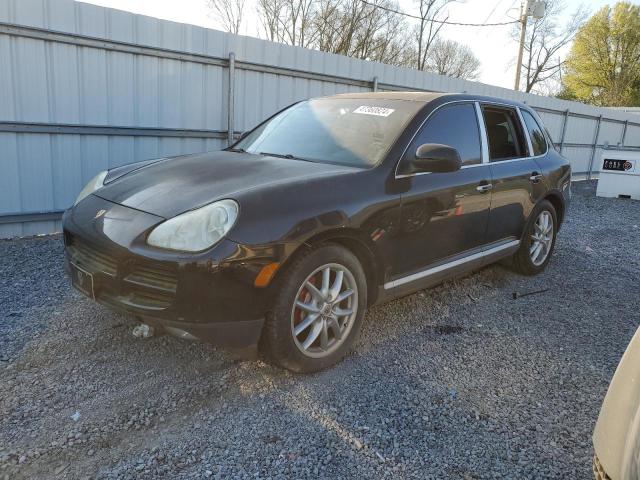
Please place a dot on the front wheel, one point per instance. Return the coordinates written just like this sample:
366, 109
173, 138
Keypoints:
318, 310
538, 241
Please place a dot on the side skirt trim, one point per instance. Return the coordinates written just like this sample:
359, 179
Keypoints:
446, 266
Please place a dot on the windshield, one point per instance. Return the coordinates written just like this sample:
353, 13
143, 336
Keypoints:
355, 132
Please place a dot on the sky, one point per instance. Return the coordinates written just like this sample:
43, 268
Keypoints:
494, 46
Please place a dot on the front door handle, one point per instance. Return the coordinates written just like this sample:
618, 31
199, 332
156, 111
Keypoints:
485, 187
535, 177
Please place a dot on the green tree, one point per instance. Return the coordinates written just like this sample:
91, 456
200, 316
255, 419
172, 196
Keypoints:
603, 67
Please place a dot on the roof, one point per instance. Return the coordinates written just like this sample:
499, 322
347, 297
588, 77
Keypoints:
411, 96
426, 97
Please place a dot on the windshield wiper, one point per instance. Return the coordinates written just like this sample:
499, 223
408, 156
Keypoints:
279, 155
269, 154
286, 155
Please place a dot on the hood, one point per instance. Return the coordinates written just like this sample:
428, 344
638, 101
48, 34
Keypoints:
117, 172
172, 186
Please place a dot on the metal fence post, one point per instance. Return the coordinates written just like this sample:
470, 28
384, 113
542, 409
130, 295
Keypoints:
624, 132
231, 99
375, 84
594, 147
564, 129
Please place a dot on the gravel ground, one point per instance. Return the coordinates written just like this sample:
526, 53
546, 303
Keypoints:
461, 381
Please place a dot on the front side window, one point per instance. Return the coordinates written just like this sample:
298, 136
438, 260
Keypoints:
346, 131
504, 133
538, 142
456, 126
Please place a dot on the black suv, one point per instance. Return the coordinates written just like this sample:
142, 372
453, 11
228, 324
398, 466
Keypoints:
333, 204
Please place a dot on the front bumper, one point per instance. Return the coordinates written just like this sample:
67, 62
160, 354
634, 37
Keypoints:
206, 296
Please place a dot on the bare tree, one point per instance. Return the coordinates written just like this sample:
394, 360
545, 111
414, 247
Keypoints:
544, 44
373, 33
228, 13
372, 30
288, 21
392, 47
346, 27
427, 29
270, 13
297, 21
448, 57
327, 26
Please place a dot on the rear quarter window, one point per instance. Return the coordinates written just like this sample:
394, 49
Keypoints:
536, 133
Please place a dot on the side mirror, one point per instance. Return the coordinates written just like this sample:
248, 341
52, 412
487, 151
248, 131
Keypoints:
436, 158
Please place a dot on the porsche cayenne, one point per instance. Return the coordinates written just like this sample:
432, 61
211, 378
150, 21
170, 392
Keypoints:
279, 243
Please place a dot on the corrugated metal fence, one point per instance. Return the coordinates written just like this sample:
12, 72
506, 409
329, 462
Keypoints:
85, 88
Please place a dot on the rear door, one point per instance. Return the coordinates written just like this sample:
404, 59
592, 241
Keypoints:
517, 182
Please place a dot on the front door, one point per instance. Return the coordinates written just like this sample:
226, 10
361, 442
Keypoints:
443, 214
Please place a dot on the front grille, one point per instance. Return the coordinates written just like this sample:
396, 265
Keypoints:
141, 284
90, 259
157, 277
598, 471
136, 299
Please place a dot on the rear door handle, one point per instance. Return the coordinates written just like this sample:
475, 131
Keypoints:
485, 187
535, 177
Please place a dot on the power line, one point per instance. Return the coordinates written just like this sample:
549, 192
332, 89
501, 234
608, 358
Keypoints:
495, 7
444, 22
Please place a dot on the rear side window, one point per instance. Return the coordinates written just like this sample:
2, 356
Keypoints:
536, 134
456, 126
504, 133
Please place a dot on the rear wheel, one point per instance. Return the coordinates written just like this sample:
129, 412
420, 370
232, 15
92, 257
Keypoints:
319, 306
538, 240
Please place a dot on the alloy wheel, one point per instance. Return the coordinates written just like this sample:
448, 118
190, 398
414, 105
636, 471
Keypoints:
324, 310
541, 238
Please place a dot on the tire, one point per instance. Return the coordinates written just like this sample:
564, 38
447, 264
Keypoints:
289, 326
524, 260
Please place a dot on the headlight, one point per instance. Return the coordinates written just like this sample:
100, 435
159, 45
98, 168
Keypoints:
95, 183
196, 230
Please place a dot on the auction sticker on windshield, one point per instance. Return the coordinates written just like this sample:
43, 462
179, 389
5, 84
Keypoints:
377, 111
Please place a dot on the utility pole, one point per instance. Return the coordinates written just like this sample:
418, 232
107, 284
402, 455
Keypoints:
528, 8
523, 30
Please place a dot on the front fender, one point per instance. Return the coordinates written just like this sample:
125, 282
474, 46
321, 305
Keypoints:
280, 220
